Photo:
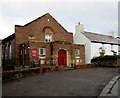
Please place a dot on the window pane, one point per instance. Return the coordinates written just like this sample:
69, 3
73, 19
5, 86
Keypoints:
42, 51
48, 37
77, 51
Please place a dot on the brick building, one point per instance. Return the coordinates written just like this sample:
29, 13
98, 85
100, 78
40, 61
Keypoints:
41, 42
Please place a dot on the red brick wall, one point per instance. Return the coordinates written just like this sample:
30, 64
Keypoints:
36, 28
70, 48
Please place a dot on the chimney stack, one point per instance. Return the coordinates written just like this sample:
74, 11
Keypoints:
79, 28
112, 34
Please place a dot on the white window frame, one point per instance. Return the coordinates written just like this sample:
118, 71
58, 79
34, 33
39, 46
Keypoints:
48, 37
77, 51
43, 49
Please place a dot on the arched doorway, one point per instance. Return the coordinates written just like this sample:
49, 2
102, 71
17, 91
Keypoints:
62, 58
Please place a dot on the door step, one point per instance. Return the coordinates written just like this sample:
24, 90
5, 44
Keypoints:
69, 69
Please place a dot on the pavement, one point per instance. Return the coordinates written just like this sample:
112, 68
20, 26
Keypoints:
111, 88
80, 82
114, 91
0, 82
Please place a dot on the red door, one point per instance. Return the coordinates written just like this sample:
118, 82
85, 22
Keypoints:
62, 58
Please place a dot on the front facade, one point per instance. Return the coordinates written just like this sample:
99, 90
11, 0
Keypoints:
95, 43
40, 42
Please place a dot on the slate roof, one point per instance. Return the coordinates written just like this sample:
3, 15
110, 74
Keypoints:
100, 38
8, 38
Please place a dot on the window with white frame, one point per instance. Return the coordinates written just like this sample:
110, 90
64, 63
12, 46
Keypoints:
48, 37
42, 51
77, 51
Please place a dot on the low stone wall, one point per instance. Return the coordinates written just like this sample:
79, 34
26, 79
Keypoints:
21, 73
84, 66
107, 62
52, 68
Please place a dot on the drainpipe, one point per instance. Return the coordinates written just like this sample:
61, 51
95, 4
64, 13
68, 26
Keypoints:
28, 53
51, 49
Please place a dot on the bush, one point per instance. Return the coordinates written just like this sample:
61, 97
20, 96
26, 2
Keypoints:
107, 60
105, 57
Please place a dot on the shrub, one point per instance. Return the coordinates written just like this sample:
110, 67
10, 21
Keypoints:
105, 57
107, 60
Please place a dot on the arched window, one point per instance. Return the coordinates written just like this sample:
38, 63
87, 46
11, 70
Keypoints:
6, 52
10, 51
48, 34
48, 37
48, 31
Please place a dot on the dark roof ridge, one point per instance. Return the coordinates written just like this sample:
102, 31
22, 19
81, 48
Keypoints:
99, 34
19, 26
37, 19
10, 37
41, 17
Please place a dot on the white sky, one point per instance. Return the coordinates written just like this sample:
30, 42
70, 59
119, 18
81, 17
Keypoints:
100, 16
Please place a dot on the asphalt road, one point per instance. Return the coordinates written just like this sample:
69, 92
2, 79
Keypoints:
81, 82
0, 82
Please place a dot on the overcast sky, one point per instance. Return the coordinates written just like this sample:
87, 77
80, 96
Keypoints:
98, 17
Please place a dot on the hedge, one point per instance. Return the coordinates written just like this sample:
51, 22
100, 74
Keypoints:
107, 60
105, 57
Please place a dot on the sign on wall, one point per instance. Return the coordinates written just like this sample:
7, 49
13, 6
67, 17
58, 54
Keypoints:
34, 52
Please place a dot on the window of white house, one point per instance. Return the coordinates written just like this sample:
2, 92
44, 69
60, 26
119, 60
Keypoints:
48, 37
102, 46
77, 51
42, 51
111, 47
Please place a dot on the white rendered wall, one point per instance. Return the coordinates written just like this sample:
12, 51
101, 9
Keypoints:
108, 47
95, 49
79, 38
91, 49
115, 47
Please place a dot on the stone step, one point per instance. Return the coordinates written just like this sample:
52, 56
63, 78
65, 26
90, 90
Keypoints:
69, 69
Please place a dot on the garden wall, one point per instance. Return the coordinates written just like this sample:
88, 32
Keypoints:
107, 61
21, 73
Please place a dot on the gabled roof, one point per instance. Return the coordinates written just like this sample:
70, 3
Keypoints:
47, 14
100, 38
8, 38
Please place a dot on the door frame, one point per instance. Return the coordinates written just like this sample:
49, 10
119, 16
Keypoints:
66, 55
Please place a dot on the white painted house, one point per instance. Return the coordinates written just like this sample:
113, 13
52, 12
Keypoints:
94, 43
